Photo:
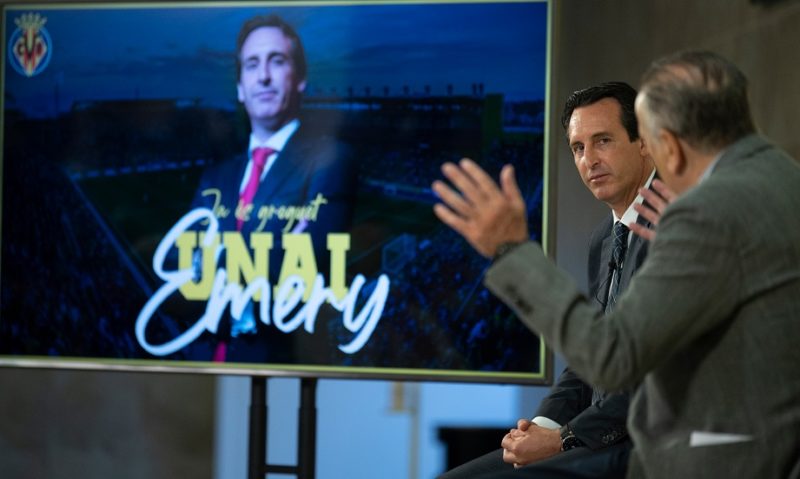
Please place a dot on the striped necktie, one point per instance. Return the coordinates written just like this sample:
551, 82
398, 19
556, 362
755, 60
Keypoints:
619, 248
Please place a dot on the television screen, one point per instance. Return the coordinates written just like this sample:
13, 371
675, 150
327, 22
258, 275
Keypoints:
246, 189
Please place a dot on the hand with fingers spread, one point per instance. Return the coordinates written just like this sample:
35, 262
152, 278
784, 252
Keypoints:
655, 201
485, 214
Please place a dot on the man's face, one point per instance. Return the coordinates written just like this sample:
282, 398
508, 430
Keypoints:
268, 85
611, 165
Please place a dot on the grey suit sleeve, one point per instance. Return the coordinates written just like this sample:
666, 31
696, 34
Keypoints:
686, 287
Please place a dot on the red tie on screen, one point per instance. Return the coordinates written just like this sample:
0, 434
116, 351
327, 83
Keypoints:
260, 156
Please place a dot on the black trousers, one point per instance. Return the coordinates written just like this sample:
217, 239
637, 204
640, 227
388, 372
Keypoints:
579, 463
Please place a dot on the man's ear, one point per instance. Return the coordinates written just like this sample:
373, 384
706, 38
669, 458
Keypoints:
239, 92
643, 150
674, 155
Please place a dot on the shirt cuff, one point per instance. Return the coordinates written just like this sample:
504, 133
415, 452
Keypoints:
545, 422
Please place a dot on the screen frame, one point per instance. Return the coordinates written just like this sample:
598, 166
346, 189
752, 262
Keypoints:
546, 360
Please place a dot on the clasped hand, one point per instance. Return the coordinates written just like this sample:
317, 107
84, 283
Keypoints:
529, 443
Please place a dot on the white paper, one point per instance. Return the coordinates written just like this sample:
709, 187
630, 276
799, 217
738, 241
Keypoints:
706, 438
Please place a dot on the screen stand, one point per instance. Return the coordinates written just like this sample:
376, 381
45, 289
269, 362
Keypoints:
307, 431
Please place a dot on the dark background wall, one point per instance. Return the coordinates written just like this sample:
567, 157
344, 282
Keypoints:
80, 424
600, 40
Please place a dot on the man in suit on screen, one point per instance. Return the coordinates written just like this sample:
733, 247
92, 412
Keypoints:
709, 325
296, 177
288, 162
578, 429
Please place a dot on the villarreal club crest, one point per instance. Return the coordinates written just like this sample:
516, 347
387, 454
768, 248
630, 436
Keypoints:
30, 47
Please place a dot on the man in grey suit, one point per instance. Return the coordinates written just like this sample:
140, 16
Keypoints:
576, 428
709, 325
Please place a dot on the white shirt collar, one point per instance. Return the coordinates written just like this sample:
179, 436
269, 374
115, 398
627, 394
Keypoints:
276, 142
278, 139
630, 215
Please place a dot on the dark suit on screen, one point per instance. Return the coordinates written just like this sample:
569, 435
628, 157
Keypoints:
309, 164
598, 425
709, 327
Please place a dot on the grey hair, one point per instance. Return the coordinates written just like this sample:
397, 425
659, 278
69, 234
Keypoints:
700, 97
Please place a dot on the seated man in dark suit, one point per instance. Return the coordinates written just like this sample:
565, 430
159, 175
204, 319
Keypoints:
578, 429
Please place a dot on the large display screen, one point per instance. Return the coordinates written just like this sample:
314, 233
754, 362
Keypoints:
245, 188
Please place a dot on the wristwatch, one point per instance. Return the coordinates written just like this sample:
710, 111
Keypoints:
504, 249
568, 439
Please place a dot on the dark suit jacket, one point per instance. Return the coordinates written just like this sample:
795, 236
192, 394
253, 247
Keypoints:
570, 399
709, 326
311, 163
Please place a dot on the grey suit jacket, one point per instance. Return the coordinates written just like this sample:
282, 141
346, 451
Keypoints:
710, 325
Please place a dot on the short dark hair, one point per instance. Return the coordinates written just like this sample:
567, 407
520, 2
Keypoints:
620, 91
700, 97
273, 21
